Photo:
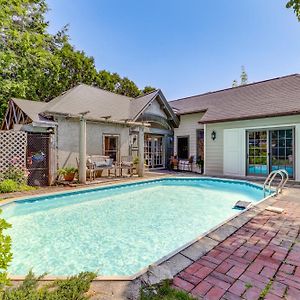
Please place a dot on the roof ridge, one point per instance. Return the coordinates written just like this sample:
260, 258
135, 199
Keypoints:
98, 88
240, 86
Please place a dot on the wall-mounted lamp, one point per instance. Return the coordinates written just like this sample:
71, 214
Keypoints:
213, 135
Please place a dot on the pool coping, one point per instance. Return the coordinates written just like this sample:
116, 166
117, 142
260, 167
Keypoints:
180, 258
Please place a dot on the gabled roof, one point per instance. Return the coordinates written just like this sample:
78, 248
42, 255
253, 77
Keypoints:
140, 104
274, 97
31, 108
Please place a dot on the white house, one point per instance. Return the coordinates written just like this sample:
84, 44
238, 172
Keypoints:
243, 131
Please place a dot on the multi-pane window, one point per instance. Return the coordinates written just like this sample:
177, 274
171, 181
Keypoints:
282, 150
111, 146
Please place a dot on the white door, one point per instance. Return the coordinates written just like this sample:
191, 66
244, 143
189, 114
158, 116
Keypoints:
234, 154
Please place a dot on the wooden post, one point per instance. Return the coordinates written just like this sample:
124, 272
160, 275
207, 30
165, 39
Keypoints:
141, 166
82, 150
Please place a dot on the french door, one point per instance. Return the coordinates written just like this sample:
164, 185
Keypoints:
269, 150
154, 151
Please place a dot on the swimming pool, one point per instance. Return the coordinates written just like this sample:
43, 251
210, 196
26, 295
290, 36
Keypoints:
119, 229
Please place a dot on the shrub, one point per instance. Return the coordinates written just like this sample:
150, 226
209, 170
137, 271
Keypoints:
73, 288
8, 186
5, 252
16, 174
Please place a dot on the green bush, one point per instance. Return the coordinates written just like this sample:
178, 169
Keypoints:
8, 186
5, 252
73, 288
14, 173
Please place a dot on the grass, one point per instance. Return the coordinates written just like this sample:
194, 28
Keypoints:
266, 290
163, 291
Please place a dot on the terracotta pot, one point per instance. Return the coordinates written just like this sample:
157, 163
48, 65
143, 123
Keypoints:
69, 176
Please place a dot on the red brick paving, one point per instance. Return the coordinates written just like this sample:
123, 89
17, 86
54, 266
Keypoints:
264, 250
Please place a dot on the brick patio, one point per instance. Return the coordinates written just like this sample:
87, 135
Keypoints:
260, 258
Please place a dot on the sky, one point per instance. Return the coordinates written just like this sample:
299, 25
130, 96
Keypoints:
183, 47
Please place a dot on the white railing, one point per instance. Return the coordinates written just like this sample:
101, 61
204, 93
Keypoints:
284, 178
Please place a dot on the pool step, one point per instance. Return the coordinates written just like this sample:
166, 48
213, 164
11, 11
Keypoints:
242, 204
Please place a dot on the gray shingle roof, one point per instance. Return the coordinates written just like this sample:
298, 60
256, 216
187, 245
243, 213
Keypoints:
274, 97
98, 102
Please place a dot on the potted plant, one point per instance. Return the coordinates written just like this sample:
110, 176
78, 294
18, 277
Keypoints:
68, 173
200, 164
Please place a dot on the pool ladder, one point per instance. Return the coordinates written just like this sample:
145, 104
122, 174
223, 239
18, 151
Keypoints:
284, 178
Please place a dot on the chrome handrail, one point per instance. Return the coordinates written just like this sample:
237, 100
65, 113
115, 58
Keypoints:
284, 178
283, 181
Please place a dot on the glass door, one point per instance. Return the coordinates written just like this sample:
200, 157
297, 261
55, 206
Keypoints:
157, 151
282, 150
154, 151
148, 150
257, 153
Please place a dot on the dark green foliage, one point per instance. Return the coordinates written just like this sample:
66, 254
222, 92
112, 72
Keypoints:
5, 252
295, 5
73, 288
148, 89
163, 291
39, 66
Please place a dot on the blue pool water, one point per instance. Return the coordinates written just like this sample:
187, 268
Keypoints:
118, 230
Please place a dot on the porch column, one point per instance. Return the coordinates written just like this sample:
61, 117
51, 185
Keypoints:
141, 166
82, 150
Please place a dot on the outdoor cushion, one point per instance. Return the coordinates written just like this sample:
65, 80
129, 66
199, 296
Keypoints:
101, 164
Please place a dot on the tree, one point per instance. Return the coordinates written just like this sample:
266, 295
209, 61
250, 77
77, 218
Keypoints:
39, 66
243, 77
25, 60
128, 88
295, 5
148, 89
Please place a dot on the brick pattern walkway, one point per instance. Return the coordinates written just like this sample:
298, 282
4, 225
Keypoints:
259, 261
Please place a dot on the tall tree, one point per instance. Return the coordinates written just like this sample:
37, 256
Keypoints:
39, 66
295, 5
243, 78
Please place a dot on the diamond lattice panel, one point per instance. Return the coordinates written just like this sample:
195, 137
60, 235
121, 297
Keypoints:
13, 146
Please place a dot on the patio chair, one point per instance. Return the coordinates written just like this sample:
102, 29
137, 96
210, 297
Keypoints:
126, 164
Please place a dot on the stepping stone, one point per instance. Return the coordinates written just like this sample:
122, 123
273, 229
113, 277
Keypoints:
274, 209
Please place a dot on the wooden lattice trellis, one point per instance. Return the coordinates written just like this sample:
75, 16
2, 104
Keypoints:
13, 145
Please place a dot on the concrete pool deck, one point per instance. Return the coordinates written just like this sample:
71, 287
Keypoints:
211, 248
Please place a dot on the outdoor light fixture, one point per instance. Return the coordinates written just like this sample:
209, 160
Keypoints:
213, 135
